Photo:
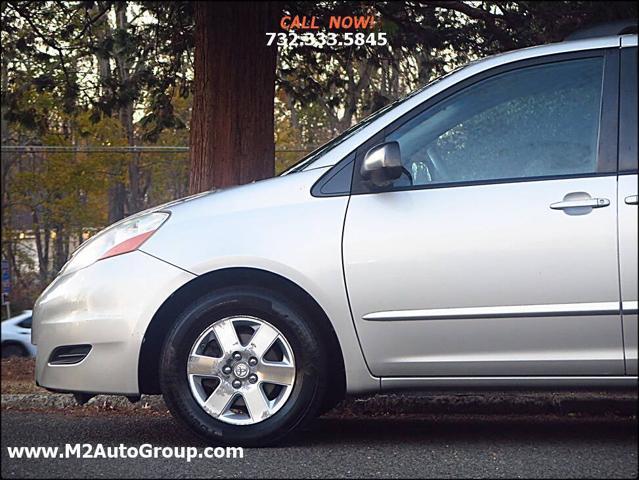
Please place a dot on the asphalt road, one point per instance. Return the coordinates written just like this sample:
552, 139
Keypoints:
424, 446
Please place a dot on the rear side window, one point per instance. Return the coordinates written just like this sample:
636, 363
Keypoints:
26, 323
628, 111
536, 121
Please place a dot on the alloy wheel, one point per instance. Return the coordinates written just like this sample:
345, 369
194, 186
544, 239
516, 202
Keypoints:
241, 370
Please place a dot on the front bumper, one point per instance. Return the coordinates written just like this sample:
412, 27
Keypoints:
109, 306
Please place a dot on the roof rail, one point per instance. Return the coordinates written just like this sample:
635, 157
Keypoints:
619, 27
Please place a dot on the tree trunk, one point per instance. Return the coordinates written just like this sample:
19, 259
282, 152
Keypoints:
425, 68
4, 124
117, 192
41, 234
125, 64
60, 248
117, 198
354, 89
232, 125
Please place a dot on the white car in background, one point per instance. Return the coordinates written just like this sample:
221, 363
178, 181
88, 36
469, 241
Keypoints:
16, 336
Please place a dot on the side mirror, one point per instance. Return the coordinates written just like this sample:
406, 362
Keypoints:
382, 164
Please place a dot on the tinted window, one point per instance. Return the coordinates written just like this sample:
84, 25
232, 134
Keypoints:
26, 323
532, 122
628, 156
338, 182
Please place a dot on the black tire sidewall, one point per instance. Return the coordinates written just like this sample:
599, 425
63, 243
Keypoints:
14, 350
305, 398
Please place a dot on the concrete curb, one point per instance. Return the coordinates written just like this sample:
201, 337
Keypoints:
519, 403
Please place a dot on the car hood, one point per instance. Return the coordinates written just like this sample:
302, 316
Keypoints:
262, 194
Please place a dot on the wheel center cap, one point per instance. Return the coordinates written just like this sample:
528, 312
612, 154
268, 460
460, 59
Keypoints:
241, 370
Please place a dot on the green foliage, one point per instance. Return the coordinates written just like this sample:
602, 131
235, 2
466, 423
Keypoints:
86, 74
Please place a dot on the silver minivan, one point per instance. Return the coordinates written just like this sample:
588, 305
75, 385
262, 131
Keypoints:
480, 233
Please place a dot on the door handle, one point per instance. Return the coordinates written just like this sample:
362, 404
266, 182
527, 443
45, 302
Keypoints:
632, 200
590, 202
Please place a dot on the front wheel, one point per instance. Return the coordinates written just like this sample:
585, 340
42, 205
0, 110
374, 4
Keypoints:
243, 366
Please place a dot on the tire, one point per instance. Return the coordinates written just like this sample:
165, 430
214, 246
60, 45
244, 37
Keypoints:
183, 394
13, 350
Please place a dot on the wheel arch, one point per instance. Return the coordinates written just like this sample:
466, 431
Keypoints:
164, 318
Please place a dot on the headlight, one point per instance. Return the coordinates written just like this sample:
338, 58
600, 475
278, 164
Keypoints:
122, 237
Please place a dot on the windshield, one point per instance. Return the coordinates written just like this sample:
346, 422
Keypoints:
318, 152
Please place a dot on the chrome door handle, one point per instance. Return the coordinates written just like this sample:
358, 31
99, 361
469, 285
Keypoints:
632, 200
590, 202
